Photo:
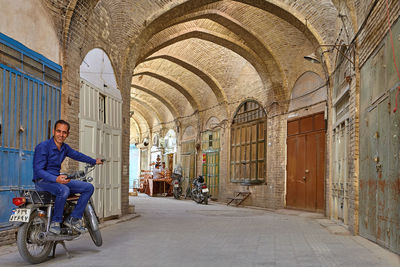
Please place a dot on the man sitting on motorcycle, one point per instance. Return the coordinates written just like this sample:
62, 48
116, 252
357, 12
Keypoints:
47, 160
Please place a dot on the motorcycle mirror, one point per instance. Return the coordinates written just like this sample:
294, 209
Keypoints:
89, 179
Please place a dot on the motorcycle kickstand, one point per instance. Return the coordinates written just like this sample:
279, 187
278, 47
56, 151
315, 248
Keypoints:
63, 244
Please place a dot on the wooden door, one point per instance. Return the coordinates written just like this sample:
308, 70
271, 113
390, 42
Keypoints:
211, 172
306, 163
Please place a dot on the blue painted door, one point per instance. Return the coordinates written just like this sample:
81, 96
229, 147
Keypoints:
29, 106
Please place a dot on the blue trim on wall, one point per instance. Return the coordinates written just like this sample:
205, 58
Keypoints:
25, 50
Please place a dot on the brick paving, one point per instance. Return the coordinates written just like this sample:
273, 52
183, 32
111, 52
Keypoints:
173, 232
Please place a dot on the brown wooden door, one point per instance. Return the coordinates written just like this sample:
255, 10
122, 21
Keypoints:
306, 163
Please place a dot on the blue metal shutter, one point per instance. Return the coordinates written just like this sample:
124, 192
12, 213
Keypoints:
30, 100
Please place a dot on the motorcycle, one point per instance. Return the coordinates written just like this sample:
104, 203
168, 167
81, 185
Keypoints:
177, 185
200, 192
33, 216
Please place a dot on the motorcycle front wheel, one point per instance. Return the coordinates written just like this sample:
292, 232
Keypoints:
196, 196
94, 234
30, 246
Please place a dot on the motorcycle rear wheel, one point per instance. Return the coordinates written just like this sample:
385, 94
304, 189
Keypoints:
177, 193
205, 201
30, 247
196, 196
95, 235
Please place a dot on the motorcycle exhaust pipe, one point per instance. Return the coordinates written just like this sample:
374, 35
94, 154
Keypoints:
43, 236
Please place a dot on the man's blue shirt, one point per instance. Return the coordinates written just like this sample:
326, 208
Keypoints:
47, 159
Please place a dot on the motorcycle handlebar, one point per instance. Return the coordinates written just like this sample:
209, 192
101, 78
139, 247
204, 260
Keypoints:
75, 175
80, 174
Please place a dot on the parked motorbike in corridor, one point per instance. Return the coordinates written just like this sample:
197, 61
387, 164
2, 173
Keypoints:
33, 217
200, 192
177, 185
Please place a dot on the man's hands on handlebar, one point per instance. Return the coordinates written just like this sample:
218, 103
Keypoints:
100, 161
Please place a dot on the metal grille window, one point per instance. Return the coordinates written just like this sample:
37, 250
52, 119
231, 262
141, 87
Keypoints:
210, 141
248, 148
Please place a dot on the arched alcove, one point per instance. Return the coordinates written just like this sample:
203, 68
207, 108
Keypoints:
189, 133
96, 68
211, 123
100, 128
309, 89
248, 144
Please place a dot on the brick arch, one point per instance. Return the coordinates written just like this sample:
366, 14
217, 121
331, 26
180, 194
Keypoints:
164, 101
76, 13
145, 109
138, 117
247, 36
226, 42
207, 78
174, 84
147, 117
147, 106
67, 20
137, 126
282, 10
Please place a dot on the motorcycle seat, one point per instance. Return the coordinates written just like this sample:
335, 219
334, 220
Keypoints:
47, 197
42, 196
73, 197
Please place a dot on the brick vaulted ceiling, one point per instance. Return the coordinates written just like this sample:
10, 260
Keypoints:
192, 56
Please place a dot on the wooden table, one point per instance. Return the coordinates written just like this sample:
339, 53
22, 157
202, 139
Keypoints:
156, 187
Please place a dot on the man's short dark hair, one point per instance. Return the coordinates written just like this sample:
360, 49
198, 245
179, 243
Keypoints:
62, 122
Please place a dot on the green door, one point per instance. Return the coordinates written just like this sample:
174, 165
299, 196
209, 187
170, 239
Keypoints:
211, 172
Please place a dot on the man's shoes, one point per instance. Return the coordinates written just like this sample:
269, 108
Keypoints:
75, 224
55, 228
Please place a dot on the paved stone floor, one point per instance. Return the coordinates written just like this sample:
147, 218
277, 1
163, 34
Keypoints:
172, 232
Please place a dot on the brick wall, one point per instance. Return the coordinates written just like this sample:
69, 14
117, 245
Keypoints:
8, 237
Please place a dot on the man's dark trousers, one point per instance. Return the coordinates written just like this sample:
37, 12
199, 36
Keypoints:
62, 191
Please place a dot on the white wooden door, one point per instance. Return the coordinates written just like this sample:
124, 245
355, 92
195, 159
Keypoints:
116, 172
107, 175
90, 140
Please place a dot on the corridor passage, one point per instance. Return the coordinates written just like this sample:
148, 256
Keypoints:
173, 232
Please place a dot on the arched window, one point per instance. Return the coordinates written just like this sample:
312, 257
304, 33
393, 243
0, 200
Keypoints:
248, 148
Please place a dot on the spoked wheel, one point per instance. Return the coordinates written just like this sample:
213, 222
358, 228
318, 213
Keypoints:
30, 240
196, 196
94, 234
178, 192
